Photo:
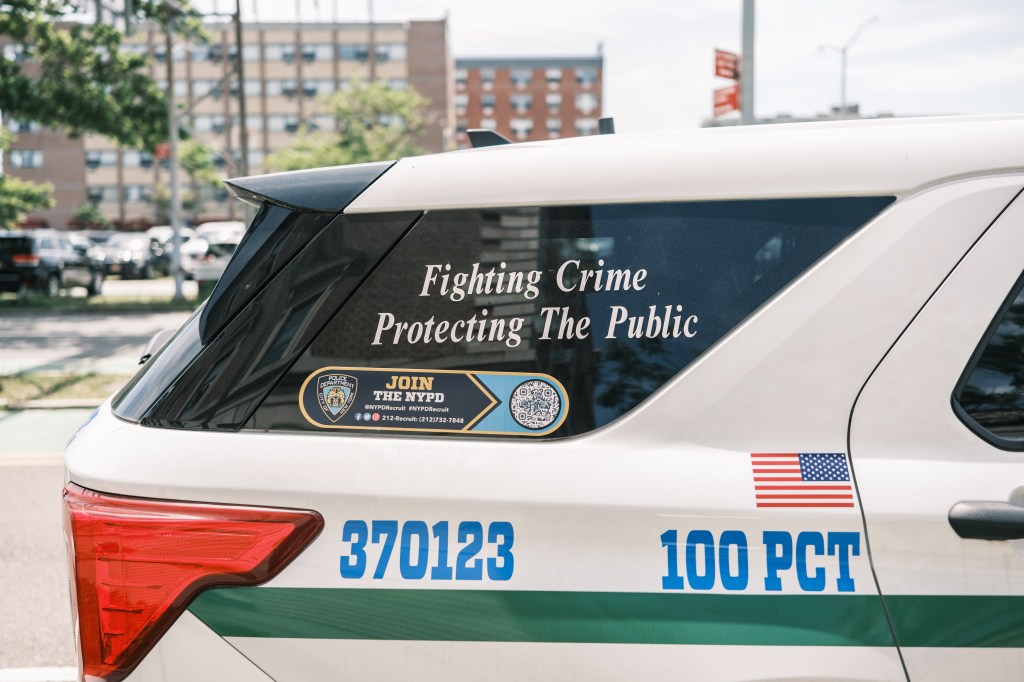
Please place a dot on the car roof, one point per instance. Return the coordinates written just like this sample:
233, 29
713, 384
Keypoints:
843, 158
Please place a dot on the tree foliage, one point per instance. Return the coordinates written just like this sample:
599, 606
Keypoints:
89, 215
196, 159
374, 124
19, 197
74, 76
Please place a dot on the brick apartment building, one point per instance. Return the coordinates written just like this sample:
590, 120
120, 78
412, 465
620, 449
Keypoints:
528, 98
287, 67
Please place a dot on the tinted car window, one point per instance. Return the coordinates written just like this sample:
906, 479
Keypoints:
992, 393
606, 303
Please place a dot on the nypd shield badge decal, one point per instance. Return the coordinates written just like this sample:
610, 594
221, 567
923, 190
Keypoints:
335, 394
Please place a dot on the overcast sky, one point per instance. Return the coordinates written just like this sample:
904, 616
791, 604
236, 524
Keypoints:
920, 57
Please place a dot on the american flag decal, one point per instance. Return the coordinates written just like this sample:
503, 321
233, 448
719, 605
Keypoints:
819, 479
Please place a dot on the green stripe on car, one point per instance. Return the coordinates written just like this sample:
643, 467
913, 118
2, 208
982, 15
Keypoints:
518, 616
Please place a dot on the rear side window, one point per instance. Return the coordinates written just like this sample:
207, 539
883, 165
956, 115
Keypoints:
13, 245
548, 321
990, 398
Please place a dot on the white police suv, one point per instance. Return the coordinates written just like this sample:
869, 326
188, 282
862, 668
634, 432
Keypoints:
719, 405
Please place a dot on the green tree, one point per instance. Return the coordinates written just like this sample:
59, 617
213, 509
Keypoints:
74, 76
374, 124
18, 197
89, 215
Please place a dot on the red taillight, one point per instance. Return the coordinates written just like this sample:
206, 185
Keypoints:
25, 259
136, 564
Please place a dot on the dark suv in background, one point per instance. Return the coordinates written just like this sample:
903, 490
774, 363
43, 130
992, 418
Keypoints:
46, 261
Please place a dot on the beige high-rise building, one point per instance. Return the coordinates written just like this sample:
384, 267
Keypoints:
287, 69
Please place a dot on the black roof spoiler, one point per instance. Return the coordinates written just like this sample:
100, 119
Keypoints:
327, 190
481, 137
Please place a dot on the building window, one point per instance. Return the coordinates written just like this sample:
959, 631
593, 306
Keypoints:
397, 84
209, 123
319, 52
180, 88
461, 127
586, 77
100, 158
101, 193
461, 102
318, 86
554, 127
253, 88
136, 193
520, 77
16, 126
280, 123
391, 52
202, 53
25, 158
586, 102
553, 76
521, 102
487, 78
358, 52
135, 159
203, 88
521, 127
289, 87
254, 123
487, 102
488, 124
554, 101
279, 52
461, 76
586, 126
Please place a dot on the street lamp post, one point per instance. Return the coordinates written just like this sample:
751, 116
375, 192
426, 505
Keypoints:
842, 54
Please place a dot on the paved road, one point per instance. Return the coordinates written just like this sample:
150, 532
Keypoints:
107, 343
36, 638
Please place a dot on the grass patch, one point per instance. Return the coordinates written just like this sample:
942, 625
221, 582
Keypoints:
17, 388
96, 304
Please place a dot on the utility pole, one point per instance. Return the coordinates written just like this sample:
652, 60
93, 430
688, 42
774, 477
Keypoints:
243, 130
372, 46
172, 135
747, 65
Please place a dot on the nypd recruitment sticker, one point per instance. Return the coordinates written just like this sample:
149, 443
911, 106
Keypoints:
439, 401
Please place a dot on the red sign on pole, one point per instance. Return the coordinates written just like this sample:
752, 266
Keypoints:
727, 99
727, 64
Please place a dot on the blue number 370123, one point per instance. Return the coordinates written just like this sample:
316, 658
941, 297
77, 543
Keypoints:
415, 538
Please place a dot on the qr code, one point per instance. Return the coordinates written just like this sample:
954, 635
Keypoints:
535, 404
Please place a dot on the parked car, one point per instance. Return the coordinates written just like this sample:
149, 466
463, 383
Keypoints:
46, 261
130, 254
211, 266
162, 259
221, 230
610, 408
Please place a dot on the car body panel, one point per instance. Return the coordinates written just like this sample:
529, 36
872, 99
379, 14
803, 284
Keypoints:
848, 158
586, 540
963, 595
191, 651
